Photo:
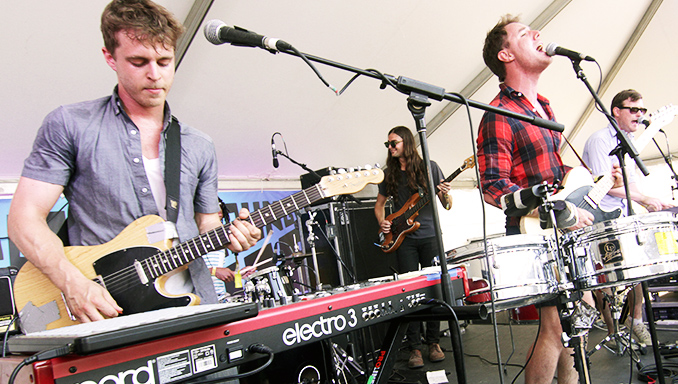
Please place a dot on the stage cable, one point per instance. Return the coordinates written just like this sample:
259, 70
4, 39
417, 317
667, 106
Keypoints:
493, 312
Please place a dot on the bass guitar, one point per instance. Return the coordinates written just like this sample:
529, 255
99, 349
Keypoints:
403, 223
134, 265
580, 188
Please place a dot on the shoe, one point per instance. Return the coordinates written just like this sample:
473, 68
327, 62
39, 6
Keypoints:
415, 361
642, 335
435, 354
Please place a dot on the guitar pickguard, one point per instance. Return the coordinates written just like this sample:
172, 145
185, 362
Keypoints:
127, 288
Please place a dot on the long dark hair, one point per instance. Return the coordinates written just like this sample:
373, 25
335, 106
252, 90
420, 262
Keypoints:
416, 175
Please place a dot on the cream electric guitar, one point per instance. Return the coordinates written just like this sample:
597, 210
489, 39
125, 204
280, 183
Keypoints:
133, 266
580, 188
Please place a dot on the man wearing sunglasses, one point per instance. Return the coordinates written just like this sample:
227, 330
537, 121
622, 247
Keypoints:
627, 109
404, 177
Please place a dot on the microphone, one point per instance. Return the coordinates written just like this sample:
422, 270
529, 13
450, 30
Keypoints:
217, 33
523, 201
275, 154
554, 49
645, 121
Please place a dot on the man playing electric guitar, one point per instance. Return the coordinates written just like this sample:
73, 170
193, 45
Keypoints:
106, 156
404, 176
627, 109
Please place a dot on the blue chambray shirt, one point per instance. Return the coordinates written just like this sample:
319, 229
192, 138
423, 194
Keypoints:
93, 149
597, 156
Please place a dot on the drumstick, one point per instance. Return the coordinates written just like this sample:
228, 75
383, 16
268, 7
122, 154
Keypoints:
268, 237
263, 262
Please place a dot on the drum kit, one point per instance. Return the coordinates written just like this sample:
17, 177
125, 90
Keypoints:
522, 270
275, 285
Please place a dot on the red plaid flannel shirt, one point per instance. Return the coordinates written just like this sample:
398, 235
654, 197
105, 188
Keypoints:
514, 154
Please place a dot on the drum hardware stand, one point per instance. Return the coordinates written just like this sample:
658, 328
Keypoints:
577, 318
626, 147
311, 242
623, 338
345, 222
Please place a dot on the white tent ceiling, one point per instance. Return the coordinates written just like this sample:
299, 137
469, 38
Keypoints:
241, 96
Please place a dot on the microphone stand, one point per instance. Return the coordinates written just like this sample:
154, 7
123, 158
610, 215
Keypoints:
307, 169
418, 99
311, 241
667, 159
625, 147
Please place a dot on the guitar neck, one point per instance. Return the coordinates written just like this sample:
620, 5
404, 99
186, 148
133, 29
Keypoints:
426, 197
601, 189
217, 238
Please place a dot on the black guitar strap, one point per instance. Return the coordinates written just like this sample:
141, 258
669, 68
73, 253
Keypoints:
173, 170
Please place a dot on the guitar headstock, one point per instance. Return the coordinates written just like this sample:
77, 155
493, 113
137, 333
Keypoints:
664, 115
468, 163
345, 183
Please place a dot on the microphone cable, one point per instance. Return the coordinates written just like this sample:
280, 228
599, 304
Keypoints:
649, 372
40, 356
4, 341
308, 62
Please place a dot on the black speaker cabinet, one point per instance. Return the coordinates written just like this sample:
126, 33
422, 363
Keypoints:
7, 309
349, 229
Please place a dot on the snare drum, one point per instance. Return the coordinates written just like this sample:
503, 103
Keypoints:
624, 250
522, 267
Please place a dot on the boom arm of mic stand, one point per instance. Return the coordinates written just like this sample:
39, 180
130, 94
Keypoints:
307, 169
407, 86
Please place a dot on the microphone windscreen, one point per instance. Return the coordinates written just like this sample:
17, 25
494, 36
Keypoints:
551, 49
211, 30
645, 121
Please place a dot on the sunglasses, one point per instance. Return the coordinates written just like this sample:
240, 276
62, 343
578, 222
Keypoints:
392, 143
635, 109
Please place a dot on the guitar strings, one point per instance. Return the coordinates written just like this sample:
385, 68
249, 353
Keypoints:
165, 261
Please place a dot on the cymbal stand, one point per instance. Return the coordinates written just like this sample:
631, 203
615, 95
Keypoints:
623, 339
311, 242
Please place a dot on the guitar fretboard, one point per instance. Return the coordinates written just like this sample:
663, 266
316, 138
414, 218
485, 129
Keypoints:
215, 239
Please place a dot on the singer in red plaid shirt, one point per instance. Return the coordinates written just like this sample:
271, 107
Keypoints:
514, 154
